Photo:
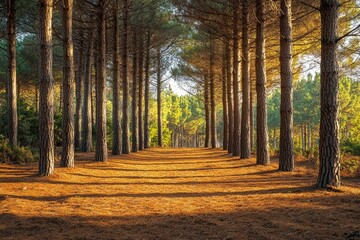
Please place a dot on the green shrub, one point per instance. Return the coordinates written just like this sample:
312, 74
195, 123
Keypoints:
14, 155
351, 147
351, 166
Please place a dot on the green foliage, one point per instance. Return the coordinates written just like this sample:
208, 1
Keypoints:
351, 147
14, 155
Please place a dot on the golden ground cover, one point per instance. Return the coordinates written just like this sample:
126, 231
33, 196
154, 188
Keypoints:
174, 194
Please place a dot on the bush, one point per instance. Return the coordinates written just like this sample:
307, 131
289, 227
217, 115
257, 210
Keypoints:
14, 155
351, 166
351, 147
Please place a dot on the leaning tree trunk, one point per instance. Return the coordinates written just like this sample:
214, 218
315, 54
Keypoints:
79, 97
159, 122
262, 144
86, 145
245, 150
212, 94
101, 154
329, 171
46, 113
67, 155
236, 132
12, 87
229, 98
147, 95
134, 109
207, 110
286, 148
224, 101
141, 91
125, 114
116, 143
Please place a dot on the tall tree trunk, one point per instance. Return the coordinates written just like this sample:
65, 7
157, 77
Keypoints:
286, 148
116, 143
224, 101
236, 132
329, 172
245, 150
79, 97
212, 94
67, 155
229, 98
262, 147
147, 92
251, 119
46, 114
125, 115
12, 86
141, 91
207, 110
101, 153
159, 123
134, 108
86, 145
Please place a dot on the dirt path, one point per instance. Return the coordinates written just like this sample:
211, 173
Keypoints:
173, 194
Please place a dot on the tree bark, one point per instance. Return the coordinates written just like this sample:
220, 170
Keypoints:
251, 119
116, 143
67, 155
229, 98
125, 114
141, 91
262, 147
159, 123
46, 113
236, 132
212, 94
12, 85
86, 145
286, 148
224, 101
245, 150
147, 92
329, 152
134, 108
101, 153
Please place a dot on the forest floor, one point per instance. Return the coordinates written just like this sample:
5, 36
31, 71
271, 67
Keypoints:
174, 194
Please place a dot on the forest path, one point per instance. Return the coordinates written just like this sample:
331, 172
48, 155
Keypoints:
173, 194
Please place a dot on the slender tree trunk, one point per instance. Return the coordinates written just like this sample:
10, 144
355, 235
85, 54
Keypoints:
236, 132
67, 156
134, 96
116, 143
141, 91
212, 94
286, 150
224, 101
251, 119
79, 98
87, 108
229, 98
101, 153
12, 86
305, 138
329, 172
46, 114
207, 110
125, 114
245, 150
309, 137
159, 123
262, 147
147, 95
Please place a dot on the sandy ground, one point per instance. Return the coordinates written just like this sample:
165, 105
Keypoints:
174, 194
